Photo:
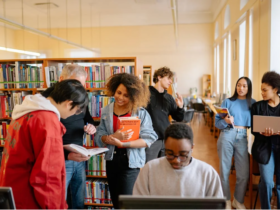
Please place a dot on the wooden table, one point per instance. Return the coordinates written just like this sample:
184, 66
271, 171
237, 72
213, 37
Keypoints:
210, 102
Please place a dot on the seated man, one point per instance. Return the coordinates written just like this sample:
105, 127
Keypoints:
178, 174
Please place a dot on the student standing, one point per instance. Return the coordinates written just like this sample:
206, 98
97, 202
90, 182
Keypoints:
33, 161
124, 159
162, 105
233, 141
76, 126
266, 147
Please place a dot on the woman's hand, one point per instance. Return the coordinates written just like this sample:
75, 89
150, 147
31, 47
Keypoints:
269, 132
112, 141
229, 120
77, 157
89, 129
125, 135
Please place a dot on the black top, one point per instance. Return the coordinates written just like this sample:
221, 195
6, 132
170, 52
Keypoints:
274, 111
162, 105
74, 126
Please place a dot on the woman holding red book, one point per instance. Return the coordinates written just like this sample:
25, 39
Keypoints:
124, 159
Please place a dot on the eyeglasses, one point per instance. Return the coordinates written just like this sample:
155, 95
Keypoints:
182, 158
78, 111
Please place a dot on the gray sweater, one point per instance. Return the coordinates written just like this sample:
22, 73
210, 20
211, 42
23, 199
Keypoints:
198, 179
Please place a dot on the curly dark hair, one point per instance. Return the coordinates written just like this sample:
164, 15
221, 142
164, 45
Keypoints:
162, 72
179, 131
138, 92
272, 79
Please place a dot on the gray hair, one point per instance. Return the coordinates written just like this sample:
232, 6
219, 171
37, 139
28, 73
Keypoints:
73, 69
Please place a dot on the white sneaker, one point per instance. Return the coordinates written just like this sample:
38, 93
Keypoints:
228, 204
238, 205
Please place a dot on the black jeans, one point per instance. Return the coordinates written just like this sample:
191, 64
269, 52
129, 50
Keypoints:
156, 150
120, 177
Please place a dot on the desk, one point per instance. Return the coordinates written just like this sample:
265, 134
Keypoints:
210, 102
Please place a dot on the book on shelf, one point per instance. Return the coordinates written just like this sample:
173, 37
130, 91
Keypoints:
20, 75
83, 151
4, 126
96, 165
223, 112
97, 191
130, 124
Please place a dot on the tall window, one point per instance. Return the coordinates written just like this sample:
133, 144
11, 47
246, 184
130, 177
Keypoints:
225, 65
218, 70
251, 45
242, 37
215, 66
229, 66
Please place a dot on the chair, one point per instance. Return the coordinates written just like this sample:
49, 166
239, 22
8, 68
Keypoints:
188, 115
199, 109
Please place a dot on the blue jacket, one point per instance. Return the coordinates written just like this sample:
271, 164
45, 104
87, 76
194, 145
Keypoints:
136, 156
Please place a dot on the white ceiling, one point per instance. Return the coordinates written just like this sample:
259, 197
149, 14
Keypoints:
87, 13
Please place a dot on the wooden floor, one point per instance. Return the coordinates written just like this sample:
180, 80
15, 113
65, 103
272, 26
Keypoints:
205, 149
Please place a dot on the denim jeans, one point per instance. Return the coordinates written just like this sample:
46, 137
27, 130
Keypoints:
233, 142
266, 183
120, 177
76, 177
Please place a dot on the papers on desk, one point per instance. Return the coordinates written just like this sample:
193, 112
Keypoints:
207, 100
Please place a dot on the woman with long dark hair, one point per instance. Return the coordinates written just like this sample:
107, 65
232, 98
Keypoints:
266, 147
233, 141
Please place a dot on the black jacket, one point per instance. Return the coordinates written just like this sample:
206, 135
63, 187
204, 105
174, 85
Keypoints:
261, 149
162, 105
74, 126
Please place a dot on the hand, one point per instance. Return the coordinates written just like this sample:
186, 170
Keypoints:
269, 132
125, 135
89, 129
77, 157
179, 101
113, 141
229, 120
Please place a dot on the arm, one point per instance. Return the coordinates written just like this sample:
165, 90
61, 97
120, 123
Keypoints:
88, 118
48, 182
141, 186
219, 122
101, 132
176, 108
254, 111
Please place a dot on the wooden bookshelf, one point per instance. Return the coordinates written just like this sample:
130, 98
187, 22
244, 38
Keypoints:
1, 145
206, 84
99, 204
93, 176
147, 72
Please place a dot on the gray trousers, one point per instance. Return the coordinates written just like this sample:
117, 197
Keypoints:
156, 150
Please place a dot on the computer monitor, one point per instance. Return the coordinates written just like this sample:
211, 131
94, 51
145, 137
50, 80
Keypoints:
7, 198
170, 202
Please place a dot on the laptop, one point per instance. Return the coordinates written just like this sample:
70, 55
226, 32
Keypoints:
260, 123
170, 202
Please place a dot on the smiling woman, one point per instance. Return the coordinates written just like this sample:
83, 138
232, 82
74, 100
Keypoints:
124, 159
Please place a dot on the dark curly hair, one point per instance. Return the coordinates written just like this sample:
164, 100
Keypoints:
179, 131
272, 79
162, 72
138, 92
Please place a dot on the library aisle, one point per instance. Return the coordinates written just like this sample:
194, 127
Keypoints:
205, 149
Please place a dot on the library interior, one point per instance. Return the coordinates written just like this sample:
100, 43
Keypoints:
139, 104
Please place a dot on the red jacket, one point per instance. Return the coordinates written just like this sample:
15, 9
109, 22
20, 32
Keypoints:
33, 161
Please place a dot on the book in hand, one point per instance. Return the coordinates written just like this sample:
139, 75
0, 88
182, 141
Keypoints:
83, 151
130, 123
223, 112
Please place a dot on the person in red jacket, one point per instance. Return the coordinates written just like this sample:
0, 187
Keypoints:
33, 159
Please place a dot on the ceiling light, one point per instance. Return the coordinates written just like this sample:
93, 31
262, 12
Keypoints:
20, 51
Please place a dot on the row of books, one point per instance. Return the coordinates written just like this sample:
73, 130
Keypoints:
20, 76
96, 74
4, 126
97, 102
9, 100
96, 165
97, 191
98, 207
